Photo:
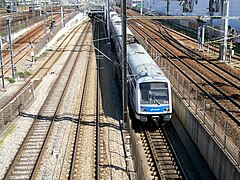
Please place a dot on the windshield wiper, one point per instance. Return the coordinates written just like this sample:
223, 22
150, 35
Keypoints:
156, 100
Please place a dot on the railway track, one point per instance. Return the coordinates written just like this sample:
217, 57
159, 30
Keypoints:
23, 46
29, 156
103, 159
85, 106
211, 85
188, 40
161, 155
90, 113
44, 68
186, 75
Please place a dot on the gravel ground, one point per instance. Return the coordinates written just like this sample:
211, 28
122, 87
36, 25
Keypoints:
56, 160
115, 165
54, 156
17, 131
14, 135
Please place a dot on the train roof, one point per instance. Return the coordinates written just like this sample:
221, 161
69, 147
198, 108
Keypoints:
117, 23
142, 65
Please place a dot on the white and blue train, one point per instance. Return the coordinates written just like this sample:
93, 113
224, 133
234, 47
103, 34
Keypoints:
149, 88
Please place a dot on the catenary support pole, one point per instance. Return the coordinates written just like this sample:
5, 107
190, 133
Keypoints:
124, 60
44, 18
224, 27
168, 5
141, 8
62, 16
2, 65
11, 49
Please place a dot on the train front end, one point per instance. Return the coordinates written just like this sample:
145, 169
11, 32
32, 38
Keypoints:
153, 99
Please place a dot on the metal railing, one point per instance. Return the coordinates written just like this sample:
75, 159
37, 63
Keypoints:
210, 118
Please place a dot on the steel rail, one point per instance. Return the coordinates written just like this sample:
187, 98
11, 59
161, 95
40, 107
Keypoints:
20, 54
203, 58
162, 149
57, 109
153, 154
213, 48
202, 77
37, 72
71, 171
97, 108
33, 125
174, 154
167, 39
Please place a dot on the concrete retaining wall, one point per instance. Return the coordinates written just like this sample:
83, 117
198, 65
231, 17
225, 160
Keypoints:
14, 108
202, 122
222, 167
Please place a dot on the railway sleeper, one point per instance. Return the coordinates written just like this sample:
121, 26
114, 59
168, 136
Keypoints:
167, 154
39, 132
156, 135
17, 171
37, 137
160, 145
160, 150
169, 172
29, 160
21, 173
158, 142
174, 176
20, 177
30, 149
40, 125
25, 176
25, 163
164, 158
30, 144
167, 163
168, 167
26, 156
22, 168
32, 152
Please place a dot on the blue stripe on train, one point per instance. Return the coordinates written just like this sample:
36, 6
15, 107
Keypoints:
154, 109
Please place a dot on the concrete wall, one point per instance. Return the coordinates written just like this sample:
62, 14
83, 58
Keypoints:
14, 108
221, 154
222, 167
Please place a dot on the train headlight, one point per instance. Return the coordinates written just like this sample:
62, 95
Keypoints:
166, 109
143, 109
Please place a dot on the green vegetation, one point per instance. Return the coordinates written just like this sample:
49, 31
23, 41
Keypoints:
24, 74
11, 80
8, 133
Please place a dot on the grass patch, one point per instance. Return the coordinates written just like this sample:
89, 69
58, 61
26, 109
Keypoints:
8, 133
11, 80
24, 74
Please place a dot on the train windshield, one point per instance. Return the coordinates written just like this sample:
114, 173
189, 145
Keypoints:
154, 93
